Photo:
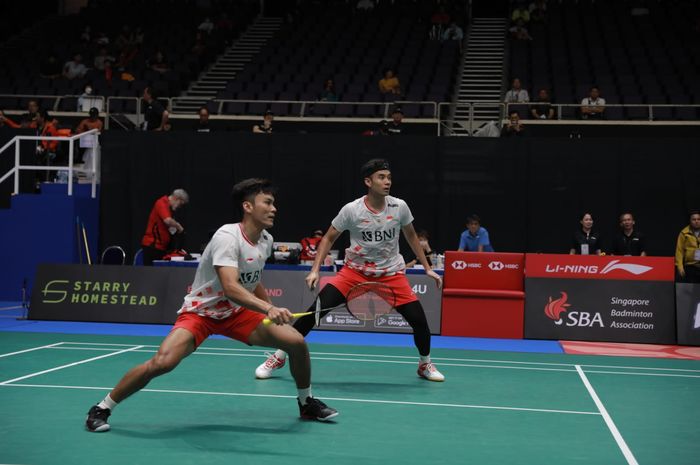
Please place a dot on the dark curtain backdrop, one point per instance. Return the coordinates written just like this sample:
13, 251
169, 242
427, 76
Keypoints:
528, 192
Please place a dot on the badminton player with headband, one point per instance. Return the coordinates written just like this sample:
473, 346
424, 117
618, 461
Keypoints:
228, 298
372, 264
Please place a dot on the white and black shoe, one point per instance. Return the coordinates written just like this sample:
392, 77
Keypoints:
96, 420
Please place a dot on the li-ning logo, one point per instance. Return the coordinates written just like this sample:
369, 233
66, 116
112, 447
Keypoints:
555, 308
459, 265
629, 267
58, 295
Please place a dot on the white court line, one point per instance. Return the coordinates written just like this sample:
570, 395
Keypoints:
608, 420
402, 362
31, 375
31, 350
516, 362
338, 399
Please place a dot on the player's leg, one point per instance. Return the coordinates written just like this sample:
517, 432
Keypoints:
288, 339
330, 297
176, 346
408, 305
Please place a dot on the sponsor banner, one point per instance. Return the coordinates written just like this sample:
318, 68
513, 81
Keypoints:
597, 267
484, 270
424, 288
688, 313
108, 293
594, 310
126, 294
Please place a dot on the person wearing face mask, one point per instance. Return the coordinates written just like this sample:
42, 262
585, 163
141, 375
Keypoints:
586, 240
423, 239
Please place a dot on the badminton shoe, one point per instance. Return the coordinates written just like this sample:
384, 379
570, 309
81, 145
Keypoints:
272, 363
314, 409
429, 372
97, 419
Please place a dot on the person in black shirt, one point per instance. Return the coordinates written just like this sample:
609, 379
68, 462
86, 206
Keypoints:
203, 123
544, 109
423, 238
395, 126
155, 116
586, 241
514, 128
628, 241
266, 126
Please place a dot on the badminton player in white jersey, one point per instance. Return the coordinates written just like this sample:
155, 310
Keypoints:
228, 298
375, 222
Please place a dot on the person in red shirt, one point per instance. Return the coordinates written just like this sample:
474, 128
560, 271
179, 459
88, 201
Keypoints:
309, 245
161, 225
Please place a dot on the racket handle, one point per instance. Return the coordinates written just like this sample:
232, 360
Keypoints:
268, 321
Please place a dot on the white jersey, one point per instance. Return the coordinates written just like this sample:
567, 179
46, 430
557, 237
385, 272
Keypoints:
228, 247
374, 236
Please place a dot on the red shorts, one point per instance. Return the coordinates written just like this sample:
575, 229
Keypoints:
347, 278
238, 326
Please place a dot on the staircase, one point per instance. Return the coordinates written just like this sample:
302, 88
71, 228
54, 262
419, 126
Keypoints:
482, 74
229, 63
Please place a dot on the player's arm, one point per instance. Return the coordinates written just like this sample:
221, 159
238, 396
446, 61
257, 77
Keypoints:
257, 300
321, 252
409, 233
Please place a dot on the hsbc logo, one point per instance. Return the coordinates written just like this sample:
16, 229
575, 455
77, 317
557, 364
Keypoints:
498, 266
461, 265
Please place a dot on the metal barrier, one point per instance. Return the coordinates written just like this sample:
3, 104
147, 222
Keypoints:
572, 109
70, 169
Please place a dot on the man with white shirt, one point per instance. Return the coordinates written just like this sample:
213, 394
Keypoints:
517, 94
593, 106
227, 297
375, 222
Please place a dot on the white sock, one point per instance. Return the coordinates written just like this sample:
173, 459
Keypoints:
107, 402
280, 354
425, 358
303, 394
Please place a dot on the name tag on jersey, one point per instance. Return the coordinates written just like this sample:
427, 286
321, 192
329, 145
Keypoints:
584, 249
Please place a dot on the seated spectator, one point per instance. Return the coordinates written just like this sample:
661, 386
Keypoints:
102, 40
628, 241
85, 35
475, 238
439, 22
203, 123
381, 130
328, 94
423, 239
89, 123
309, 247
453, 32
51, 68
390, 84
586, 241
206, 26
266, 126
158, 63
365, 5
395, 127
520, 14
124, 39
516, 94
28, 120
156, 117
126, 56
102, 57
543, 109
519, 32
688, 250
45, 126
514, 128
87, 100
593, 106
74, 68
538, 11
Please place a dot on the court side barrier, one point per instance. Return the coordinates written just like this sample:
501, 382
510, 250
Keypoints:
688, 313
600, 298
483, 295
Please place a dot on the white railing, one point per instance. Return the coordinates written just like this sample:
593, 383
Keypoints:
69, 168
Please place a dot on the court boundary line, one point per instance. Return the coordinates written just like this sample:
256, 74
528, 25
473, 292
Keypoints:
48, 346
608, 419
262, 351
339, 399
68, 365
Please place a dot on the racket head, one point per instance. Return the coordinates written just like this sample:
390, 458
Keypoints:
366, 301
317, 315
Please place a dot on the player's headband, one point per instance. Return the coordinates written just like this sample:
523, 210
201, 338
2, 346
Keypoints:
373, 166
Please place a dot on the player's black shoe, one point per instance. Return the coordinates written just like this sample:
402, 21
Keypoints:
97, 419
314, 409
